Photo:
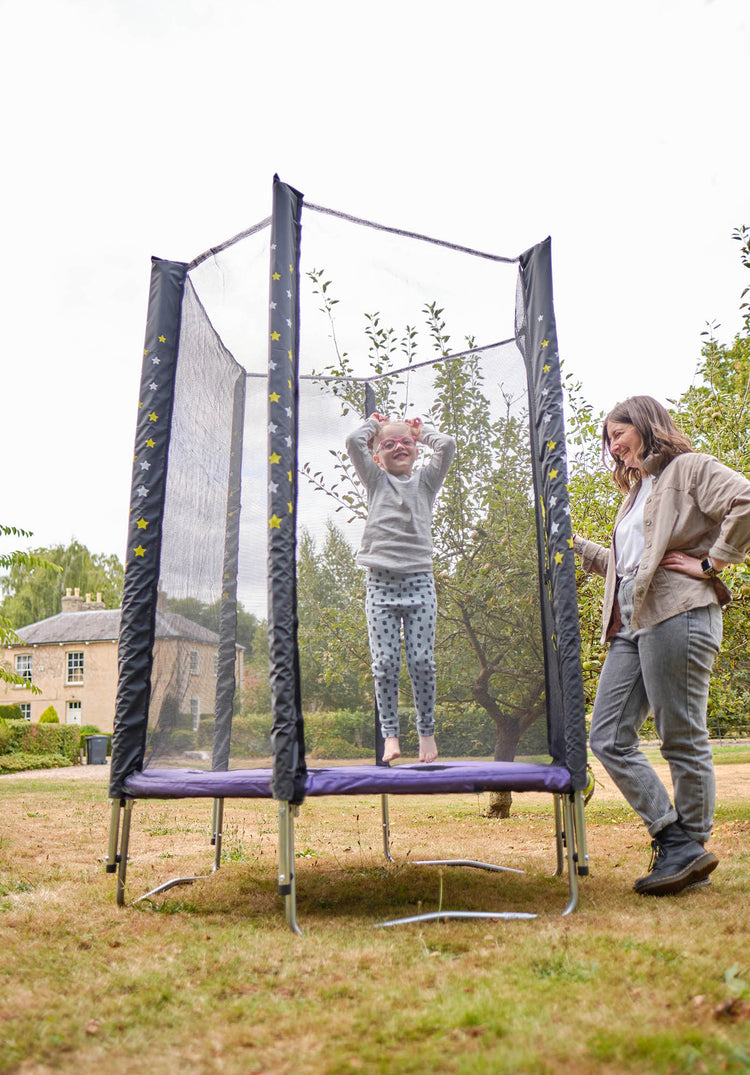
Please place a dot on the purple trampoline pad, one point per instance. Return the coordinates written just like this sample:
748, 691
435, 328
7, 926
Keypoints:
417, 779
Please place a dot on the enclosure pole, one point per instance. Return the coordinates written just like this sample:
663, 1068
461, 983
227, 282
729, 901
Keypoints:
148, 489
287, 735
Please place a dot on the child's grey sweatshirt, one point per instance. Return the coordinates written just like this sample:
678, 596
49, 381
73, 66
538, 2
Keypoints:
398, 531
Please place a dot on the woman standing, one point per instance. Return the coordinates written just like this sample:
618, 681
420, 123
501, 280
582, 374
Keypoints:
685, 516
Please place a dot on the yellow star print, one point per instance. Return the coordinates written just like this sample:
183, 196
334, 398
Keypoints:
276, 276
275, 457
274, 522
553, 473
150, 443
546, 369
551, 445
558, 557
545, 343
142, 524
275, 336
274, 397
162, 339
153, 417
140, 551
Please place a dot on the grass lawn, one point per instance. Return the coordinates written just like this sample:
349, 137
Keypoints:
208, 978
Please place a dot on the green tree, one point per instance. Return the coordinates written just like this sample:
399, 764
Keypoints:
17, 560
715, 413
334, 656
34, 586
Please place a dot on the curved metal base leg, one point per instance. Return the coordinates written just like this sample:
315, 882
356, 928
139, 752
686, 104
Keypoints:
446, 916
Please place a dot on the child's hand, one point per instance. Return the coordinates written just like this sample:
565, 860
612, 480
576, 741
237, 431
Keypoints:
378, 418
415, 425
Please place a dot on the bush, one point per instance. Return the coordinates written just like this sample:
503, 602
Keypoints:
49, 716
19, 737
182, 740
19, 762
461, 733
251, 735
11, 712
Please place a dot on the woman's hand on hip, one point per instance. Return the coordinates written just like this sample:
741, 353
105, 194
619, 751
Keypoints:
686, 564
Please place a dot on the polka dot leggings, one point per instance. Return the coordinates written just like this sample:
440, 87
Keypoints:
391, 599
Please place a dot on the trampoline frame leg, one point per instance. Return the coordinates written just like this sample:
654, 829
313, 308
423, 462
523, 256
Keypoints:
117, 858
287, 885
385, 813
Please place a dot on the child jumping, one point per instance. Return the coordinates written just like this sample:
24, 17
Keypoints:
397, 552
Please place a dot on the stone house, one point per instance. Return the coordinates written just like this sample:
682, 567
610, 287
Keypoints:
72, 659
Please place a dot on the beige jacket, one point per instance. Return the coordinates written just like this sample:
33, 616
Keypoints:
697, 506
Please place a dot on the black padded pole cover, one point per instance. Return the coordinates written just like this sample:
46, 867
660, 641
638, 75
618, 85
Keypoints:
140, 591
289, 772
537, 336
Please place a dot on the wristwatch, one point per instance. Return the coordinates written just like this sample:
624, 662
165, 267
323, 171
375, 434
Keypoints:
707, 567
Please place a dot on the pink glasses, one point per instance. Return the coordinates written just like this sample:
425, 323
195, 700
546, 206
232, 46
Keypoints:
390, 444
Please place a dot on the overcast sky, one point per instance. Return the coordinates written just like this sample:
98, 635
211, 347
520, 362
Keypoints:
140, 127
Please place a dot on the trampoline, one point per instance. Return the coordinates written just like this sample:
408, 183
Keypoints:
260, 356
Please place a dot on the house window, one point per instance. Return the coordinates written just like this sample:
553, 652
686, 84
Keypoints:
26, 710
195, 709
73, 713
75, 667
23, 666
194, 662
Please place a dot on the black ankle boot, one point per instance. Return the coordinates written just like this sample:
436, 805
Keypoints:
677, 861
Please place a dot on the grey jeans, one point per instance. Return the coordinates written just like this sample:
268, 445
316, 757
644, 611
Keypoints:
664, 669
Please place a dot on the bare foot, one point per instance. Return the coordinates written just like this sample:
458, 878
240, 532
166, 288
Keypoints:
427, 748
391, 750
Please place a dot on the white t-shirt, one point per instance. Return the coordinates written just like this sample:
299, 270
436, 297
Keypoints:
629, 540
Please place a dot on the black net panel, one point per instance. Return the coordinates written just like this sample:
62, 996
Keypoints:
388, 322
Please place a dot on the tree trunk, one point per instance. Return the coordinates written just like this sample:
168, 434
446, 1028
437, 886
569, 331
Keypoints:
508, 734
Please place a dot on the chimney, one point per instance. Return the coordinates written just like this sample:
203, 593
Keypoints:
72, 602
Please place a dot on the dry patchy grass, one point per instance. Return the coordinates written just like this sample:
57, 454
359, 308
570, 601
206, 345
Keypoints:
208, 978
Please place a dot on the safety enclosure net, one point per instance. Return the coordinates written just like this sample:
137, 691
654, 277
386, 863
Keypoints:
243, 609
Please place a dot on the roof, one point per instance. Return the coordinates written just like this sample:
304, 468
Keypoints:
103, 625
98, 625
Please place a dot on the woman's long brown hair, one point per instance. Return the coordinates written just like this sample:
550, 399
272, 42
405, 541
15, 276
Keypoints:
662, 440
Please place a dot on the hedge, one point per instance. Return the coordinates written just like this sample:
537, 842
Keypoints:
62, 741
348, 733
